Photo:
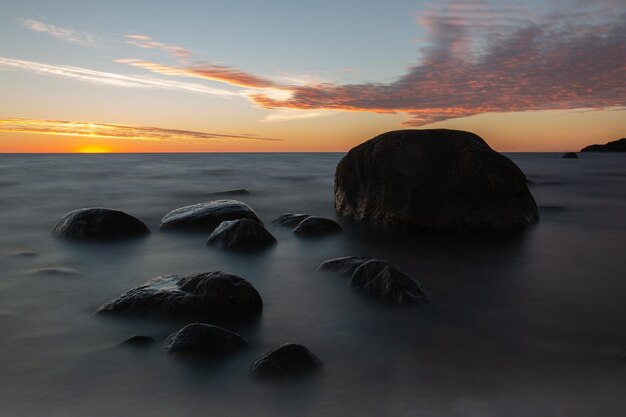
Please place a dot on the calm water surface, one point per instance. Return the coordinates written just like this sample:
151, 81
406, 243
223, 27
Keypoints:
524, 326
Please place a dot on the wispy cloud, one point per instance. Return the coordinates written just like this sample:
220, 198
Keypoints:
146, 42
115, 131
65, 34
108, 78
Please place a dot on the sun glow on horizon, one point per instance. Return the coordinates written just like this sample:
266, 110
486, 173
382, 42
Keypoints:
93, 149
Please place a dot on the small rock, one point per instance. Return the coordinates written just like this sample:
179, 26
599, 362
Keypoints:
241, 234
61, 270
99, 224
207, 216
569, 155
289, 219
286, 362
345, 265
139, 341
199, 339
207, 297
317, 226
385, 281
234, 191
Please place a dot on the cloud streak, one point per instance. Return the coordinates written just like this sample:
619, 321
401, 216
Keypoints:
67, 35
115, 131
479, 57
108, 78
146, 42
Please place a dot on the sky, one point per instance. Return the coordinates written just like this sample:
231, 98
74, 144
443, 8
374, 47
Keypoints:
308, 76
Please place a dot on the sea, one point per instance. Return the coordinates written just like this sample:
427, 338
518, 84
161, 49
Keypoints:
526, 325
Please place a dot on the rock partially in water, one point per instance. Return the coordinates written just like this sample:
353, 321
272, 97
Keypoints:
317, 226
618, 145
385, 281
241, 234
345, 265
207, 216
213, 297
434, 180
289, 219
99, 224
59, 271
139, 341
204, 340
569, 155
287, 361
234, 191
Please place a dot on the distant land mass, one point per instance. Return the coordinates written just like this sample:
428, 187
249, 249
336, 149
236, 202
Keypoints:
615, 146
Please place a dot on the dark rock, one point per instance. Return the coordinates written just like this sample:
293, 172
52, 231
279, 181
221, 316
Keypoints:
207, 216
289, 219
241, 234
212, 297
569, 155
286, 362
234, 191
139, 341
60, 270
317, 226
99, 224
385, 281
345, 265
614, 146
433, 180
199, 339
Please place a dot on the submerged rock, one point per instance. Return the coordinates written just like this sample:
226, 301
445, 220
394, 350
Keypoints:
234, 191
385, 281
99, 223
286, 362
199, 339
433, 180
139, 341
59, 270
207, 297
207, 216
317, 226
345, 265
289, 219
569, 155
241, 234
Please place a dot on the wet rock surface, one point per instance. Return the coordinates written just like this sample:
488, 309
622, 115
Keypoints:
345, 265
212, 297
241, 234
435, 180
284, 362
289, 219
99, 224
314, 226
204, 340
207, 216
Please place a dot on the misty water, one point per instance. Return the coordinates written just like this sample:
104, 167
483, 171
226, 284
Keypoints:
520, 326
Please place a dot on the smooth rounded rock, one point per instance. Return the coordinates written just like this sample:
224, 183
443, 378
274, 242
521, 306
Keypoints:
139, 341
99, 223
287, 361
345, 265
289, 219
200, 339
241, 234
435, 180
383, 280
212, 297
317, 226
207, 216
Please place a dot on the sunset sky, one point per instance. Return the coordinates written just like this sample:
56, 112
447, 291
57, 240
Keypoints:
274, 76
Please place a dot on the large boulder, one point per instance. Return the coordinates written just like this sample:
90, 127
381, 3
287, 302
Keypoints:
207, 216
99, 223
287, 361
433, 180
317, 226
345, 265
212, 297
289, 219
241, 234
383, 280
200, 339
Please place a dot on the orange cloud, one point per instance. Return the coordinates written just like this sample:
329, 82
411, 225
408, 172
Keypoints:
115, 131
